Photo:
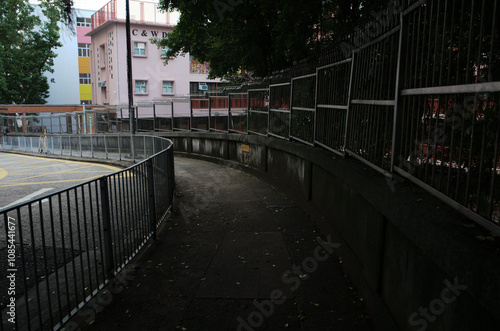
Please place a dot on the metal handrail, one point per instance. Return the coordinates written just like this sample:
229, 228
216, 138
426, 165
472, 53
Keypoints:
64, 247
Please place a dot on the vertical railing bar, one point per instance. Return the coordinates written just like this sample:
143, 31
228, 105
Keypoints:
450, 150
52, 227
61, 223
379, 48
115, 199
142, 198
42, 232
119, 195
435, 142
426, 76
68, 208
427, 127
440, 81
347, 121
493, 37
460, 39
450, 57
140, 228
494, 172
173, 116
87, 251
137, 221
209, 114
474, 114
91, 146
398, 116
106, 218
479, 48
460, 151
481, 162
135, 193
131, 208
190, 115
436, 36
151, 198
80, 144
99, 209
143, 186
21, 244
92, 226
77, 212
105, 147
33, 251
469, 48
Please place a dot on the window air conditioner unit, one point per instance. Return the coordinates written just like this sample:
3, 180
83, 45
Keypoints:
203, 86
101, 84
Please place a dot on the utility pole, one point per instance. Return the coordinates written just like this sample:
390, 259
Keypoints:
131, 110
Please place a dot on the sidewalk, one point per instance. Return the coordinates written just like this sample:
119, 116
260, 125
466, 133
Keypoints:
237, 254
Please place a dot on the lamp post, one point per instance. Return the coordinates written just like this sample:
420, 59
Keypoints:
131, 110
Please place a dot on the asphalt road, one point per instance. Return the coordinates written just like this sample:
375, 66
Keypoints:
47, 234
25, 177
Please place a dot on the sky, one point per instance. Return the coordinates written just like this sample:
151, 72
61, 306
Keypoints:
98, 4
89, 4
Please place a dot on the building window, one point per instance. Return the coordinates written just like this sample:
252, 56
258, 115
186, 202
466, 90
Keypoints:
84, 78
141, 86
82, 21
168, 87
164, 50
139, 48
84, 50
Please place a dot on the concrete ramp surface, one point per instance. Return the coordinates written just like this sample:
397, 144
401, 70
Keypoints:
237, 254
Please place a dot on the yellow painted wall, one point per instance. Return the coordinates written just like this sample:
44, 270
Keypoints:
85, 92
84, 65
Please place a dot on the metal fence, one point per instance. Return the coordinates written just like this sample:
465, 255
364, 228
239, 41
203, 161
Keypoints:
414, 92
62, 248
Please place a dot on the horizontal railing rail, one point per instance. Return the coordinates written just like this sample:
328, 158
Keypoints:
64, 247
414, 93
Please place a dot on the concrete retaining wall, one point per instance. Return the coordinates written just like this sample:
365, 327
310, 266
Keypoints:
419, 264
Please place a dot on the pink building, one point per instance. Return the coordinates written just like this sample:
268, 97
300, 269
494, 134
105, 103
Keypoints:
152, 79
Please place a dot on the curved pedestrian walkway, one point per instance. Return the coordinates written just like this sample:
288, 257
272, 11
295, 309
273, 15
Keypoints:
237, 254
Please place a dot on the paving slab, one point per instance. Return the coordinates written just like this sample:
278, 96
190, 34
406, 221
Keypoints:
236, 254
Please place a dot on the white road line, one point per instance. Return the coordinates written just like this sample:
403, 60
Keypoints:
29, 197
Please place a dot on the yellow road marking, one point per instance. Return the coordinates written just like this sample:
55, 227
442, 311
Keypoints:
22, 168
53, 181
3, 173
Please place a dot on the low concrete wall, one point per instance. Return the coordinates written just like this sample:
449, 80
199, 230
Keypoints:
418, 263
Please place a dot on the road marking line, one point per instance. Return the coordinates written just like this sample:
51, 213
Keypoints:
3, 173
51, 173
29, 196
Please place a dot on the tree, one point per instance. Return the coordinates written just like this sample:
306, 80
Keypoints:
259, 36
27, 46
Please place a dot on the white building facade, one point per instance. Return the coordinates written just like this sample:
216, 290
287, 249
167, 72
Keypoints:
152, 78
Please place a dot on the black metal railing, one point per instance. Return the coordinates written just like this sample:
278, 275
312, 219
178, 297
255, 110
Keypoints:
412, 93
63, 247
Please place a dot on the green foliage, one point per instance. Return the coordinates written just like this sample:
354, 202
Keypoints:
258, 36
27, 46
